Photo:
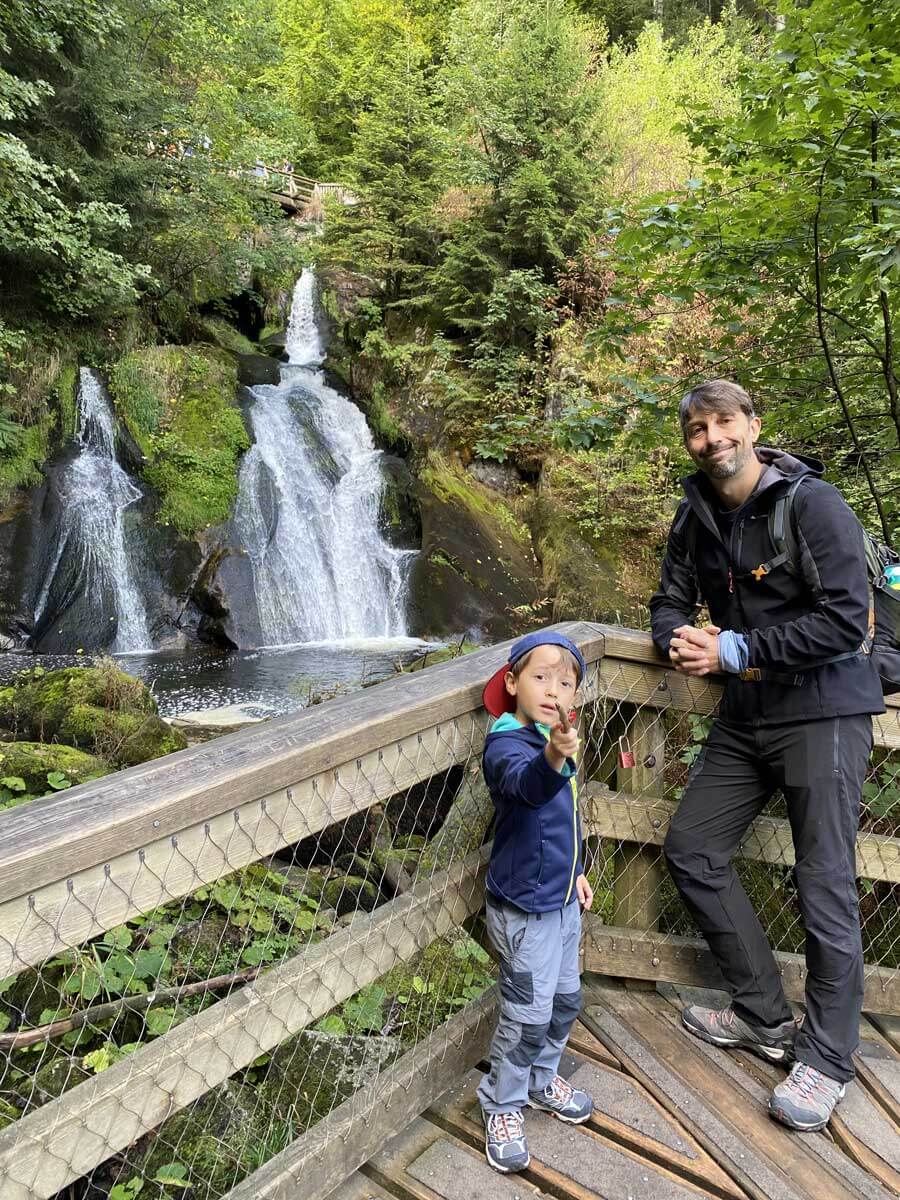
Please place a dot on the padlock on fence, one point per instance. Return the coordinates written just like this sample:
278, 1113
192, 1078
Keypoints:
626, 754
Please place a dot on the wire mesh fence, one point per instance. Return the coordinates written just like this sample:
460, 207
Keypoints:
645, 732
177, 1009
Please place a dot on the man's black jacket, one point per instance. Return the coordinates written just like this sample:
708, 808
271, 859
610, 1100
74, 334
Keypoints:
788, 628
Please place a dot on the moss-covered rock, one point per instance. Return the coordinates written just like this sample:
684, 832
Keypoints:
179, 403
32, 762
477, 568
219, 1139
315, 1072
52, 1079
583, 579
348, 893
100, 709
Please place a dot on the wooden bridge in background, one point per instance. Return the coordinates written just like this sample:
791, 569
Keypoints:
297, 193
674, 1118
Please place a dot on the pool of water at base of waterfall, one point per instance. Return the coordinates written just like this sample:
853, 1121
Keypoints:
264, 682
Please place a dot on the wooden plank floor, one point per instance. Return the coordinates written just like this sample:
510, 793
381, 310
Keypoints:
674, 1119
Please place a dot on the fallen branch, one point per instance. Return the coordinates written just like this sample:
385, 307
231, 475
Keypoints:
131, 1004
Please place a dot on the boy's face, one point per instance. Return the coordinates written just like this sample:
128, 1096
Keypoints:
546, 679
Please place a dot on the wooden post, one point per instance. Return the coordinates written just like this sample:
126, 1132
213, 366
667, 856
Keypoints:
638, 868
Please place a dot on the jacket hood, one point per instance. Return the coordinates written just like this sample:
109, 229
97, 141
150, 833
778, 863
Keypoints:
789, 466
778, 467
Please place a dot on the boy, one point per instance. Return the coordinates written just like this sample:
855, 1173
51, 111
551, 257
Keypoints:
534, 885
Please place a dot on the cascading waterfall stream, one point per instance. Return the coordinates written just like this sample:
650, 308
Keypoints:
90, 557
308, 505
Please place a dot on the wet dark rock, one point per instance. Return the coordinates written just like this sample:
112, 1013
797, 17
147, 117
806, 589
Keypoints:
255, 369
475, 568
274, 345
400, 520
502, 477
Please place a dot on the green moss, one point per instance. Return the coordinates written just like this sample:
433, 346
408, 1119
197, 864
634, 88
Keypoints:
450, 485
349, 893
432, 657
32, 762
383, 420
21, 466
226, 337
179, 403
66, 389
98, 709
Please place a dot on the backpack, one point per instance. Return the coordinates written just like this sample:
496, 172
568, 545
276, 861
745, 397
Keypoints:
883, 642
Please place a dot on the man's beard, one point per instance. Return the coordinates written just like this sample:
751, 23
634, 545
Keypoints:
727, 468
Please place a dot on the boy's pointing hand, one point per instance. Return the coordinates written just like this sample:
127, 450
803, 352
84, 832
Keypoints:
563, 744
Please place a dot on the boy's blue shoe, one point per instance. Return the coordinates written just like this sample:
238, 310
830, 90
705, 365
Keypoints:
504, 1141
565, 1102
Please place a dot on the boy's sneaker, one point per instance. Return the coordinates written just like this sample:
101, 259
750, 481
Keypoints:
723, 1027
806, 1099
565, 1102
504, 1141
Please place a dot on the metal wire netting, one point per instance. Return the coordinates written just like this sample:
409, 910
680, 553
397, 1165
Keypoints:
177, 1017
359, 941
642, 716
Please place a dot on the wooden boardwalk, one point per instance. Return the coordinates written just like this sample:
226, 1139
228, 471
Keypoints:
674, 1119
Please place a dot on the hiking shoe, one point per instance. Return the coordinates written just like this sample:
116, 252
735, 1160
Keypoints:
806, 1099
504, 1141
565, 1102
723, 1027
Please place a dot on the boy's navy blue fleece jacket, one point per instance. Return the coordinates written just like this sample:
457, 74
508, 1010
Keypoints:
536, 856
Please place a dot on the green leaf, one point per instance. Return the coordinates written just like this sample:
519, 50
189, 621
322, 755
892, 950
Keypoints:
160, 1020
365, 1010
331, 1024
58, 781
14, 783
173, 1174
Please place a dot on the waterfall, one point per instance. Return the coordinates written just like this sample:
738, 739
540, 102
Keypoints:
89, 562
308, 504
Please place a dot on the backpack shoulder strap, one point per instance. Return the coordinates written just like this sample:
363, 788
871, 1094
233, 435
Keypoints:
789, 541
685, 524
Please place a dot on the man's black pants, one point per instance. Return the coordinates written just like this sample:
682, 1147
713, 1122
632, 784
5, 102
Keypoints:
820, 767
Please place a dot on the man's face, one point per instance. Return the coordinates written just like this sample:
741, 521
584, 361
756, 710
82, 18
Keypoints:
546, 679
721, 443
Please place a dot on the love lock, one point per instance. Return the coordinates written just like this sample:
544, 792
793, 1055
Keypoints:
626, 754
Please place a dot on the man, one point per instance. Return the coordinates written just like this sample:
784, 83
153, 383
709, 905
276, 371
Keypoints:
795, 717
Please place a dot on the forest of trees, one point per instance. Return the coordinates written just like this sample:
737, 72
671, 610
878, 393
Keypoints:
571, 211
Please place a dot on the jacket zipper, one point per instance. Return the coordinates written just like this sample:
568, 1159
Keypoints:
574, 839
574, 787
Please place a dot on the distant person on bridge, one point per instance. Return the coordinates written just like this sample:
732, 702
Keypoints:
535, 885
796, 717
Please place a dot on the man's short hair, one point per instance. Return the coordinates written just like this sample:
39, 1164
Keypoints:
716, 395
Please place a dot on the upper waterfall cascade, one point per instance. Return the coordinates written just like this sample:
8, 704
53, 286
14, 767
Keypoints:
308, 506
90, 556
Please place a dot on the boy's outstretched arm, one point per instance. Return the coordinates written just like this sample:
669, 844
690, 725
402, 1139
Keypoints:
524, 774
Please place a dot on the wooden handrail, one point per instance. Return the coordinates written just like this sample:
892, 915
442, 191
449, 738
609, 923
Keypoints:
47, 1149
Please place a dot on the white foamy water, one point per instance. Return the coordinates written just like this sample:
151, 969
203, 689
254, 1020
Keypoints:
94, 493
309, 502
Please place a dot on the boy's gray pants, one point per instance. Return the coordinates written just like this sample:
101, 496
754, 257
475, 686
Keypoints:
540, 997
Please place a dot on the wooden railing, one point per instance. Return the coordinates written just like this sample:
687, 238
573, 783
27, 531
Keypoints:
87, 860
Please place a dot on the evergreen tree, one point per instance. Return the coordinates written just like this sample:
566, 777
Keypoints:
397, 167
521, 94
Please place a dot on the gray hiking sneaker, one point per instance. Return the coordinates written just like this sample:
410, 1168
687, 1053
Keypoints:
504, 1141
723, 1027
806, 1099
565, 1102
